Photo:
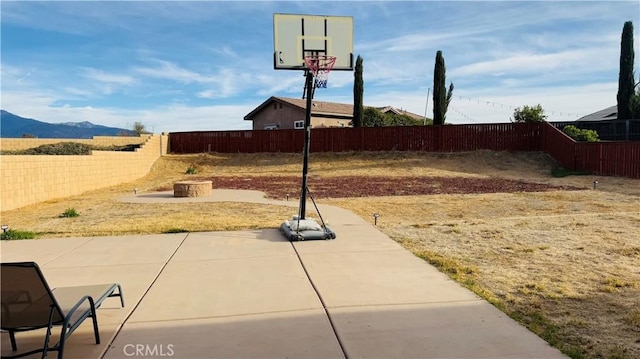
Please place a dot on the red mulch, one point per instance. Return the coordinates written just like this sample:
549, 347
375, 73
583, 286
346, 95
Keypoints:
359, 186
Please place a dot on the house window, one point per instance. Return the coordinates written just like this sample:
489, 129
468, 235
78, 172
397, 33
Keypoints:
275, 105
298, 124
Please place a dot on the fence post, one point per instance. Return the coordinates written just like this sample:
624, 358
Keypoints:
543, 136
600, 171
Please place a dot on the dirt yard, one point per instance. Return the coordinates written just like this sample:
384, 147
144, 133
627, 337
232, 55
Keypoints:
556, 254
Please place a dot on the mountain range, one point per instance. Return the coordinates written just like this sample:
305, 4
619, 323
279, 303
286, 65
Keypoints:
14, 126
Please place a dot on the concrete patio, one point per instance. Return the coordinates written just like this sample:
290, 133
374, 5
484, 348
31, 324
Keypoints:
253, 294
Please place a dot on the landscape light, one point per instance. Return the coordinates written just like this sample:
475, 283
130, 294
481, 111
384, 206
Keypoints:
375, 218
287, 197
135, 191
595, 184
4, 228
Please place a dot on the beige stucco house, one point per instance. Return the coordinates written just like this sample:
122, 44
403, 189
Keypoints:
289, 113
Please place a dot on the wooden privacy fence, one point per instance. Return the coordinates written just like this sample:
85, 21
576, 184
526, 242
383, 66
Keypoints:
603, 158
450, 138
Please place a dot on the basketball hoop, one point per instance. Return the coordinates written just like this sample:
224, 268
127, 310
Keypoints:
320, 66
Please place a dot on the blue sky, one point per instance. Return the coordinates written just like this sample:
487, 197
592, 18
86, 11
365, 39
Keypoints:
191, 66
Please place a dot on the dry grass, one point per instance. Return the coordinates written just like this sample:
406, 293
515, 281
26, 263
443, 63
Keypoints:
564, 263
579, 270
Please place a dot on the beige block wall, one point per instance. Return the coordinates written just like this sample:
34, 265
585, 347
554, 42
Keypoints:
31, 179
11, 144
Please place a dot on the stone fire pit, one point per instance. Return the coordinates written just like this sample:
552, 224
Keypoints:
192, 188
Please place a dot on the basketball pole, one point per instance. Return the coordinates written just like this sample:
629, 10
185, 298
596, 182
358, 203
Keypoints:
307, 139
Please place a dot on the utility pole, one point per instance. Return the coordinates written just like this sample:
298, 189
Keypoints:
426, 106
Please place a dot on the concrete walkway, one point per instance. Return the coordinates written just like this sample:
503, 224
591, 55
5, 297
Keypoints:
253, 294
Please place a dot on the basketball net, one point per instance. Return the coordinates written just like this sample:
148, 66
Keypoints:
320, 66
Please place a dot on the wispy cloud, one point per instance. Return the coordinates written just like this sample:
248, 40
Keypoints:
198, 118
101, 76
78, 92
226, 51
170, 71
287, 83
33, 69
528, 63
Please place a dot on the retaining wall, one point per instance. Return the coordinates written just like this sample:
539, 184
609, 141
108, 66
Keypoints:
27, 180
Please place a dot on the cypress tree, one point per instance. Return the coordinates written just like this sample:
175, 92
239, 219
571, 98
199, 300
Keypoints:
626, 85
358, 92
441, 98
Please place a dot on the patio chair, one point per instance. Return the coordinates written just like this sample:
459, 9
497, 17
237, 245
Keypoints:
28, 304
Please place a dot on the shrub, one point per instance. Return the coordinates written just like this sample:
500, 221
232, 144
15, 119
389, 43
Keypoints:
14, 234
528, 114
564, 172
192, 170
69, 212
581, 134
71, 149
62, 148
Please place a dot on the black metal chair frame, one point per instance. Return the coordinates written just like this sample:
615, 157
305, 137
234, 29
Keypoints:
69, 321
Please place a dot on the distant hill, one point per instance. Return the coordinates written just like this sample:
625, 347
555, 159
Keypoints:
13, 126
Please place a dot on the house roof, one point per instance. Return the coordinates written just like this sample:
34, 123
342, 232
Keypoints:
323, 107
320, 107
609, 113
400, 111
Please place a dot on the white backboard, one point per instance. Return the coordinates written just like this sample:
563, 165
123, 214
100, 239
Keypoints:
295, 36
